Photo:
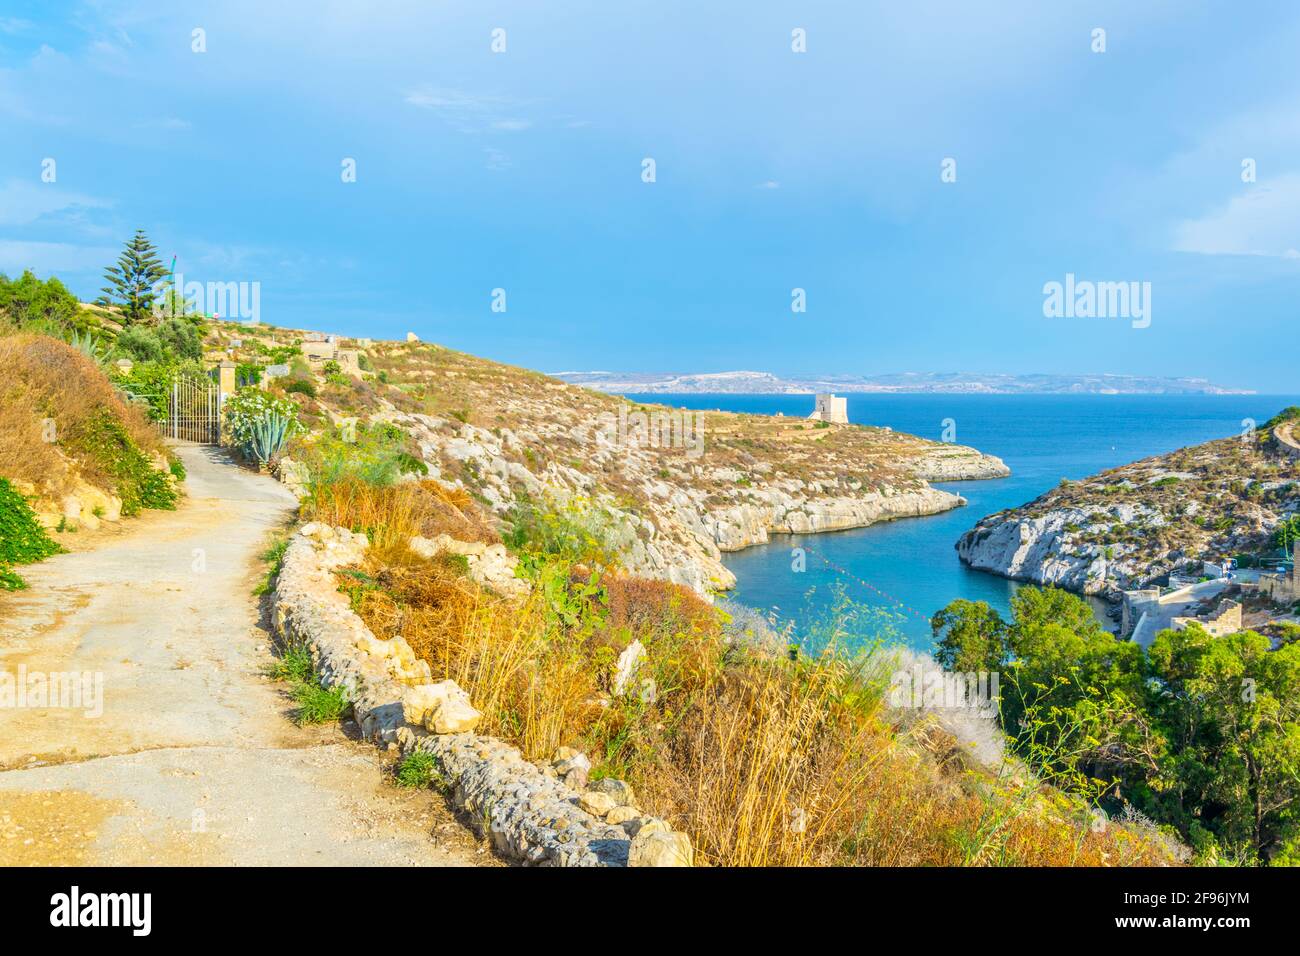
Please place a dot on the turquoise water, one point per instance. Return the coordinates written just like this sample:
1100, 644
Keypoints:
910, 567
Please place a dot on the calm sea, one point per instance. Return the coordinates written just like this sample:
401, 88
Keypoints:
910, 567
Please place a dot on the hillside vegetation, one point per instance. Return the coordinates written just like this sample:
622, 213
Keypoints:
75, 450
1130, 526
509, 549
673, 490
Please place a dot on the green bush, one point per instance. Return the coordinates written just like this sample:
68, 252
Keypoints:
376, 454
33, 305
136, 481
303, 386
418, 770
258, 424
22, 539
139, 344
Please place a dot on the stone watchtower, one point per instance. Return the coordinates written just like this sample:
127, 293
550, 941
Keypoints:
831, 408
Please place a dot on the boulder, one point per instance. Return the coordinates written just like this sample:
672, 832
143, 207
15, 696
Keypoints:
442, 708
596, 803
621, 815
629, 662
658, 848
620, 792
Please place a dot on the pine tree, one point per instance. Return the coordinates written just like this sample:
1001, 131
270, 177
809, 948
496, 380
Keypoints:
131, 282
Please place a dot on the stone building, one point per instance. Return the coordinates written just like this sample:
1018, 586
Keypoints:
322, 351
831, 408
1284, 588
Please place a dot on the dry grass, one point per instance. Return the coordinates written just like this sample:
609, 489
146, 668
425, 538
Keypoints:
764, 761
42, 378
392, 514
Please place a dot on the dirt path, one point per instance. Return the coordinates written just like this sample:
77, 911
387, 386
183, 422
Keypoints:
187, 756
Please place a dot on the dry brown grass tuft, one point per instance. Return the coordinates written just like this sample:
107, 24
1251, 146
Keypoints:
42, 378
392, 514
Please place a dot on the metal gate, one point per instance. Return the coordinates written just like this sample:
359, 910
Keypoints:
194, 410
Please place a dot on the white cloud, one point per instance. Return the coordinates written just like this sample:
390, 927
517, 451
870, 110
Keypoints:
468, 112
23, 202
1263, 221
769, 184
49, 257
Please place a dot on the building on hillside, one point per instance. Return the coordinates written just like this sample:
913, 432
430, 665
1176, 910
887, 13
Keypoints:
319, 351
315, 337
1283, 587
831, 408
1218, 619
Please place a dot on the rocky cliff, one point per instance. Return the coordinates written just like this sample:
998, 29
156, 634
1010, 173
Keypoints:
672, 489
1129, 526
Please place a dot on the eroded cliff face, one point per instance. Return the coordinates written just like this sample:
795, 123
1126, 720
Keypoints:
1127, 527
670, 489
672, 524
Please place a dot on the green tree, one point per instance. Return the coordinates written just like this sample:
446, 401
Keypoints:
46, 306
1232, 707
970, 637
133, 280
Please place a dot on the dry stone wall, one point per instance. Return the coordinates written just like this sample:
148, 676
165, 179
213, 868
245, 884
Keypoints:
537, 814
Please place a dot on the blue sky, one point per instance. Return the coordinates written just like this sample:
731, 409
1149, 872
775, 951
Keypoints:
775, 170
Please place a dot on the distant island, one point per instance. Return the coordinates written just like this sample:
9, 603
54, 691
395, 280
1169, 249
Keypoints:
913, 382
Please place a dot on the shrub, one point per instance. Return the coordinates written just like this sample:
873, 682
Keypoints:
417, 769
302, 386
48, 306
135, 480
22, 539
319, 705
180, 339
259, 425
140, 344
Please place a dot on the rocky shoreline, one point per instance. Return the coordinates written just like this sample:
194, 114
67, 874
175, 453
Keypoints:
1129, 527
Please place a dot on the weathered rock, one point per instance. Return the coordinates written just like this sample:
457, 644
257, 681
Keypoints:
596, 803
636, 825
657, 848
618, 790
619, 815
627, 665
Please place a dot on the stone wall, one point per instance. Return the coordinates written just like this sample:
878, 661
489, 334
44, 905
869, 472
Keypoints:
541, 814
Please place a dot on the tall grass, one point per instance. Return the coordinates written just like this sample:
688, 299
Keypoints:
765, 758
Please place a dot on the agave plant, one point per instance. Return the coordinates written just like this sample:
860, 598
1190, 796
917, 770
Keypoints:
267, 436
88, 346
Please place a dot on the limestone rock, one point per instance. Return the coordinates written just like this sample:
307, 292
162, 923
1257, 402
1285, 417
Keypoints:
618, 790
636, 825
621, 815
596, 803
657, 848
442, 708
629, 662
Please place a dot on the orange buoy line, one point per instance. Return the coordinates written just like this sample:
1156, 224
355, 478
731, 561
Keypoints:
867, 584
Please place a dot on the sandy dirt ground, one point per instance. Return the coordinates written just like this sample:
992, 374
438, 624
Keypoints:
186, 753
